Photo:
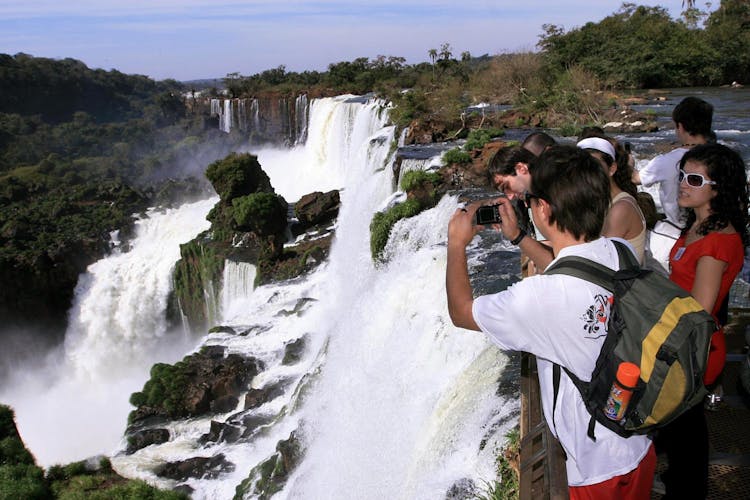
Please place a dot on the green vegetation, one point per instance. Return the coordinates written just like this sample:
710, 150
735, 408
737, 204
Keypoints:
456, 155
642, 47
382, 223
507, 488
414, 178
165, 389
262, 213
477, 138
423, 191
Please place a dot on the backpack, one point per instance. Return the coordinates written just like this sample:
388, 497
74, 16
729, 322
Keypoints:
654, 324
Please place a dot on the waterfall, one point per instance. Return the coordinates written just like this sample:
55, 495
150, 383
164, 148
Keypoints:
255, 114
78, 405
300, 116
225, 118
237, 284
389, 399
216, 107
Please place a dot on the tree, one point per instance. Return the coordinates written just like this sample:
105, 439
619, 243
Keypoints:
433, 56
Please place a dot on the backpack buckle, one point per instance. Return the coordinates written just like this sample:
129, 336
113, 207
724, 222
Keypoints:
666, 354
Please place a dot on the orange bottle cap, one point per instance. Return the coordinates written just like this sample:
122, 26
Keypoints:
628, 374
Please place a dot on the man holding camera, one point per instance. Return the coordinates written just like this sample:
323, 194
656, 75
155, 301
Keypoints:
558, 318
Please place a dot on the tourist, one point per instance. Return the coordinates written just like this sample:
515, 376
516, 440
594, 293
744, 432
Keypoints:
538, 142
624, 219
548, 315
705, 260
692, 120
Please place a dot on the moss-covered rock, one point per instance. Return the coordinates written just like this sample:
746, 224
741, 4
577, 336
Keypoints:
189, 387
238, 175
261, 213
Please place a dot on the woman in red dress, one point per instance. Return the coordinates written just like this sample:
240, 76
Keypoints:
705, 260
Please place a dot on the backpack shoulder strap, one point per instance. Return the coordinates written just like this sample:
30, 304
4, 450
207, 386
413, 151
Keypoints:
586, 269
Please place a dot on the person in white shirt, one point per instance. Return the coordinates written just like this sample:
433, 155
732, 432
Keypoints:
558, 318
692, 121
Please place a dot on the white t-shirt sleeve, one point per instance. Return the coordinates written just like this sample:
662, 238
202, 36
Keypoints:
662, 168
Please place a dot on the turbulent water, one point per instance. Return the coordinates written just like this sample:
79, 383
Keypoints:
76, 404
397, 402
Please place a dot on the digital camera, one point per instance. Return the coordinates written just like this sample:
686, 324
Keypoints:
488, 214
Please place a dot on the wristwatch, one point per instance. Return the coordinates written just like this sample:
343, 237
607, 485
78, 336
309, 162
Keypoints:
517, 239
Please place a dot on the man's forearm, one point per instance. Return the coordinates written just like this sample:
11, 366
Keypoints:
458, 288
539, 253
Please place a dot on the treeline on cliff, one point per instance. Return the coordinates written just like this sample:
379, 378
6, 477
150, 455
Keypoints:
636, 47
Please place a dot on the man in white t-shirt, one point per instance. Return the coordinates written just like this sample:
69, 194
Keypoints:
692, 121
558, 318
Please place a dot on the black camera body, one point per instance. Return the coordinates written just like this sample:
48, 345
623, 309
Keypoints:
488, 214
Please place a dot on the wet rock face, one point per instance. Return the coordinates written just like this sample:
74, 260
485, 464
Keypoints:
317, 208
146, 437
270, 476
197, 467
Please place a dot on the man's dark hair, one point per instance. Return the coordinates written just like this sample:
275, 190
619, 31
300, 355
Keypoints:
537, 142
590, 131
505, 160
574, 183
695, 115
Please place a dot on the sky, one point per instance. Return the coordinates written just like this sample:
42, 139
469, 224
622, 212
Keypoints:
196, 39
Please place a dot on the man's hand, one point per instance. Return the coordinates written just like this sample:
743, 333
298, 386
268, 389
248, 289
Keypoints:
509, 223
461, 228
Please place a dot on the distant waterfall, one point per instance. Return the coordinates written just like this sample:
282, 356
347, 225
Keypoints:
226, 122
300, 115
267, 120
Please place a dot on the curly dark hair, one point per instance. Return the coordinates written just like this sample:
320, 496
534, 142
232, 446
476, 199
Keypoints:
725, 167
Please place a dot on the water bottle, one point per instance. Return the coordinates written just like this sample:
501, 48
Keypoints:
622, 388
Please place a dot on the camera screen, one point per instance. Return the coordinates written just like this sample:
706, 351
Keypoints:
488, 215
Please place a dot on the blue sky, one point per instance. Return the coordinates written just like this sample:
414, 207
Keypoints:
189, 39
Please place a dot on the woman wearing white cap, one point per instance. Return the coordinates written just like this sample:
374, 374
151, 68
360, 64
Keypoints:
624, 219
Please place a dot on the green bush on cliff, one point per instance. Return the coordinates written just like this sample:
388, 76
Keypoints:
455, 155
479, 137
165, 389
382, 223
263, 213
237, 175
415, 178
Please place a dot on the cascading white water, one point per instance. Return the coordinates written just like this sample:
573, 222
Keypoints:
225, 119
78, 406
401, 404
300, 115
237, 284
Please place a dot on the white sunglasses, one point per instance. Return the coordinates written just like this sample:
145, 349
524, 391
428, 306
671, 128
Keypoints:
695, 180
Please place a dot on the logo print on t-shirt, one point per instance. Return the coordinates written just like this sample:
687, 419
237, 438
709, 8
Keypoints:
596, 316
